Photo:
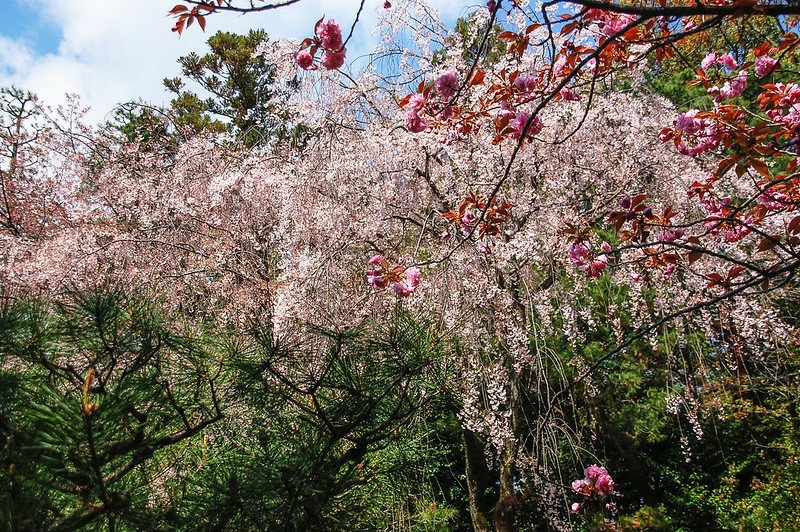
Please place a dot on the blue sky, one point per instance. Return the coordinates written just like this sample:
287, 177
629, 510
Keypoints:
22, 20
107, 51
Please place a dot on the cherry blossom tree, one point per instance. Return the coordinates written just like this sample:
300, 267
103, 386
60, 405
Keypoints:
550, 211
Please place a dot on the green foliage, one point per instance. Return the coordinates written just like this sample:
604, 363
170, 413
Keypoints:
472, 35
330, 430
243, 98
99, 388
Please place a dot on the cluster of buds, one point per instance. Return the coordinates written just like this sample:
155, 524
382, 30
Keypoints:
380, 274
596, 481
328, 38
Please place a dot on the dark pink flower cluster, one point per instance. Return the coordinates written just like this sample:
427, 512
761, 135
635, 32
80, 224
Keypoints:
414, 122
404, 281
703, 130
723, 222
596, 481
774, 200
581, 255
526, 83
328, 38
447, 85
569, 95
609, 23
518, 124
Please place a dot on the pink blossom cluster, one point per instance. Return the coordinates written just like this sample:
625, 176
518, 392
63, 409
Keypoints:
723, 223
615, 23
447, 85
725, 60
414, 122
468, 220
518, 124
526, 83
610, 23
404, 282
569, 95
774, 200
788, 96
329, 39
703, 130
790, 117
671, 234
764, 66
731, 88
596, 481
582, 256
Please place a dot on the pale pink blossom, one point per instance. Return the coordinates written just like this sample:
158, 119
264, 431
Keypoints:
702, 130
731, 88
407, 286
790, 93
416, 102
580, 486
764, 65
708, 60
560, 67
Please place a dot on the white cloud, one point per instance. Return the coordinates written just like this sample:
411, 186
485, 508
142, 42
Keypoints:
116, 50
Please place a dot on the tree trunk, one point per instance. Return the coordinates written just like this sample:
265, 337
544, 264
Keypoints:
479, 480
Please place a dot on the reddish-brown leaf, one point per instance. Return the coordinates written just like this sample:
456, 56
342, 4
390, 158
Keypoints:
477, 79
735, 272
766, 244
794, 225
760, 167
